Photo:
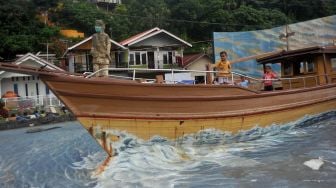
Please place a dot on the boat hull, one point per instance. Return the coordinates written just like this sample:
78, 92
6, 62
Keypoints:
113, 128
109, 108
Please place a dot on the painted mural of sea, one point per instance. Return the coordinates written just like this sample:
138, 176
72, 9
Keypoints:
261, 157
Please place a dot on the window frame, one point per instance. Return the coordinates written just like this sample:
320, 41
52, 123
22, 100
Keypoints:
301, 67
333, 61
165, 58
137, 58
143, 57
131, 59
290, 67
170, 58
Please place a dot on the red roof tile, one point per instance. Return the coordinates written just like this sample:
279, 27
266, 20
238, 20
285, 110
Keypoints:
189, 58
139, 35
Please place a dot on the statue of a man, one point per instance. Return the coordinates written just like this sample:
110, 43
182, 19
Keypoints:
100, 50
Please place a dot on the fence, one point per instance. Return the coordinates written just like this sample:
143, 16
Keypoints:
31, 102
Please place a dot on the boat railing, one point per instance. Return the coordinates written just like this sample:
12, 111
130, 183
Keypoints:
294, 82
233, 78
172, 72
142, 70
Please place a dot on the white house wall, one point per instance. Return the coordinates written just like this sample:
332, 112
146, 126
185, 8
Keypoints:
199, 65
7, 84
158, 59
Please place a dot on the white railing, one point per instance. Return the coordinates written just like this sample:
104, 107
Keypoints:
135, 70
30, 102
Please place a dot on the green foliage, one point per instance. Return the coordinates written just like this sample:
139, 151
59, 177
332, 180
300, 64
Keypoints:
80, 15
253, 19
298, 10
45, 4
192, 20
118, 26
3, 111
20, 31
152, 13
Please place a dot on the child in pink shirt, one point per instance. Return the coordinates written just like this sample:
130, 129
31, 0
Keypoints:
268, 76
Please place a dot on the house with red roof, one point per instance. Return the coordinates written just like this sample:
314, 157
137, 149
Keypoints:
198, 62
79, 59
154, 49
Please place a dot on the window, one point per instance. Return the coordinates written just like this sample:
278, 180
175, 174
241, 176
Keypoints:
26, 86
80, 58
170, 57
304, 67
37, 89
297, 68
16, 89
13, 79
28, 77
131, 60
16, 78
310, 66
144, 59
333, 64
287, 69
137, 58
47, 90
165, 59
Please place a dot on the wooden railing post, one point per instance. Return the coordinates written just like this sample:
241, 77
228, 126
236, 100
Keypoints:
232, 79
133, 74
173, 78
290, 83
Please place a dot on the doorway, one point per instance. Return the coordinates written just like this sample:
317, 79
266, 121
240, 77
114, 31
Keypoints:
151, 62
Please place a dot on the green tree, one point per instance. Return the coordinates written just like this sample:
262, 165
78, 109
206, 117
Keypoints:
253, 19
45, 4
147, 14
20, 31
78, 14
193, 20
119, 23
189, 12
298, 10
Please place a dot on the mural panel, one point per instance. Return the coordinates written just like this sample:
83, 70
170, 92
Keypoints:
320, 31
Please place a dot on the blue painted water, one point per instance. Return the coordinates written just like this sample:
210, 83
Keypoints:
261, 157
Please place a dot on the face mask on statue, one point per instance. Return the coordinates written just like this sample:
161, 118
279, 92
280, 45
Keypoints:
98, 29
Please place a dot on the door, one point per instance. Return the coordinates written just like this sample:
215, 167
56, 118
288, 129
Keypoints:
151, 63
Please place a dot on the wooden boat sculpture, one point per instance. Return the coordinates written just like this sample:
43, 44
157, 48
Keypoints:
106, 107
